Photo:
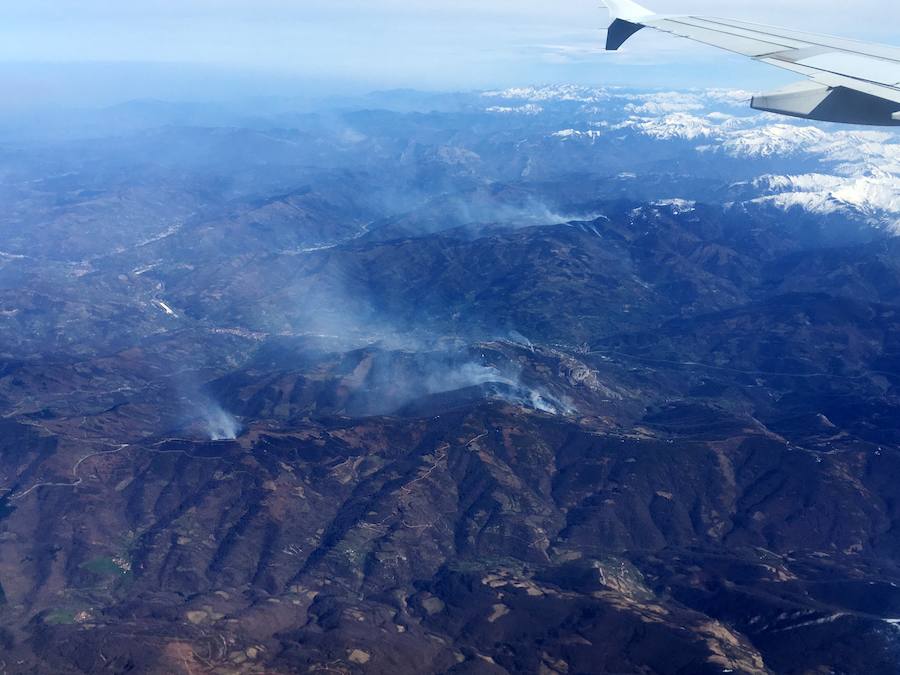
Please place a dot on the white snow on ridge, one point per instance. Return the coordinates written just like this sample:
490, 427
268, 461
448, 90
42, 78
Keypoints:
872, 195
677, 206
527, 109
860, 167
770, 136
827, 169
670, 100
165, 234
733, 97
662, 107
768, 141
674, 126
664, 103
557, 93
164, 307
574, 133
832, 146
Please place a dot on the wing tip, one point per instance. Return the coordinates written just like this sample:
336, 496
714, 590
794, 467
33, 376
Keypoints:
627, 10
618, 33
625, 16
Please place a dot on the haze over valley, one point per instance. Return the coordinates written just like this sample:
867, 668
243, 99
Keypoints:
547, 379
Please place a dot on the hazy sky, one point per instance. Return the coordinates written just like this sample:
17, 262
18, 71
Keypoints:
370, 44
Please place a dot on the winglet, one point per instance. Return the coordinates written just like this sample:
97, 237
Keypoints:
627, 10
626, 21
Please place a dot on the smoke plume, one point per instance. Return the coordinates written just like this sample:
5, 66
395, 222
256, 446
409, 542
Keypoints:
220, 425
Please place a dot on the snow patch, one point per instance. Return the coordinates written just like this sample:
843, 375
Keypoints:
527, 109
563, 92
165, 307
574, 133
677, 206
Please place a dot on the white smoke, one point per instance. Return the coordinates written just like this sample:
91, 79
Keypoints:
220, 425
509, 389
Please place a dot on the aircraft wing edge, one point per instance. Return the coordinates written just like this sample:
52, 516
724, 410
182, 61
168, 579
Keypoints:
866, 94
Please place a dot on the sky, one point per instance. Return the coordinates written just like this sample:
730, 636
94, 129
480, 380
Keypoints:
104, 50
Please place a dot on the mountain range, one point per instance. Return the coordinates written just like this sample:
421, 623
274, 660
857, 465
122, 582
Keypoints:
544, 380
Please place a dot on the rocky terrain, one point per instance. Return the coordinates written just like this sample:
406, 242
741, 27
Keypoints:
386, 389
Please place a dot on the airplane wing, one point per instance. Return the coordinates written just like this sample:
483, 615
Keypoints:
847, 80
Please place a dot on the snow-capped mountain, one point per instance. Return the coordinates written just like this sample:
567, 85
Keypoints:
820, 168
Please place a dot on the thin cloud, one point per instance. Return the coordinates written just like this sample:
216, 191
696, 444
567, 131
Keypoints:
419, 43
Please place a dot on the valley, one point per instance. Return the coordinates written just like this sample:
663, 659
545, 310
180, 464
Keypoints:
450, 393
